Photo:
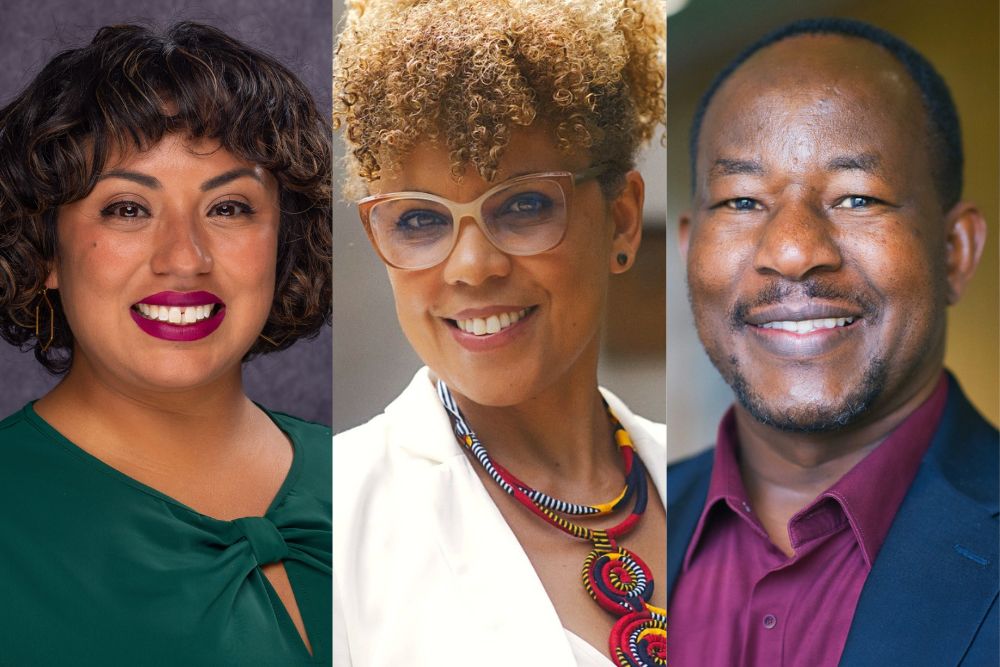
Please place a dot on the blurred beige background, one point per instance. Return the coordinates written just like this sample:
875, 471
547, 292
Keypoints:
960, 39
372, 361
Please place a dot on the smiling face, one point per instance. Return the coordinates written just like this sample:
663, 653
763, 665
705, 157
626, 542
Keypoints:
501, 328
817, 249
166, 270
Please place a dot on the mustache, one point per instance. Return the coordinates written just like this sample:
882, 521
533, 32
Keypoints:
813, 288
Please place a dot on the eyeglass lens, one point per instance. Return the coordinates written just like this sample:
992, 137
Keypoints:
524, 218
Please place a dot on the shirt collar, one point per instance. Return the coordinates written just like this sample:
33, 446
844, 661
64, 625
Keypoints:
868, 495
872, 491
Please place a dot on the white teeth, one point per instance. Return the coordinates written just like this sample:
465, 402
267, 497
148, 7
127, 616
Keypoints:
478, 326
808, 326
175, 314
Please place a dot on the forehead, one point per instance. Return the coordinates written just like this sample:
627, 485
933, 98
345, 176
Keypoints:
814, 95
427, 166
179, 159
170, 149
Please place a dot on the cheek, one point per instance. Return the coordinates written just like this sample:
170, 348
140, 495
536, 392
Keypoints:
577, 283
714, 263
251, 260
580, 266
91, 262
901, 264
412, 294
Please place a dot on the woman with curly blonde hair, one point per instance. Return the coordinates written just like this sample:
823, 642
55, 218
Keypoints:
164, 215
504, 509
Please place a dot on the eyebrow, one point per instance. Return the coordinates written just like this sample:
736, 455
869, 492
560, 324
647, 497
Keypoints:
134, 176
867, 162
152, 182
228, 177
730, 167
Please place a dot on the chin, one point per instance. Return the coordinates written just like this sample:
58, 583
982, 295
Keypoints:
177, 378
176, 370
817, 415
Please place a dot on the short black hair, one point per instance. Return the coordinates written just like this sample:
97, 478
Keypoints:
946, 134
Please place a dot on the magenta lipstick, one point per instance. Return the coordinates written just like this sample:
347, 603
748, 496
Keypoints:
179, 316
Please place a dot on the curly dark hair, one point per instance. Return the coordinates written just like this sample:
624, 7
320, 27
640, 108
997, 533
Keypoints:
125, 90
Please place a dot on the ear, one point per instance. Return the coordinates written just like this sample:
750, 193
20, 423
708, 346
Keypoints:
52, 280
965, 238
626, 212
684, 233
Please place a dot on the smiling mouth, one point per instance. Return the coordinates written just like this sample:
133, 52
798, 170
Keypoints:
808, 326
180, 315
487, 326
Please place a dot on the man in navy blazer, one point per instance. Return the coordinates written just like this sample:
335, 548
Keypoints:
848, 513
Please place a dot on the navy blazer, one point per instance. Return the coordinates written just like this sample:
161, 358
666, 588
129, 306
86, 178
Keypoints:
931, 597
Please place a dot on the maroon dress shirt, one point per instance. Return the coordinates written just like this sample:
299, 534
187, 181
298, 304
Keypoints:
741, 602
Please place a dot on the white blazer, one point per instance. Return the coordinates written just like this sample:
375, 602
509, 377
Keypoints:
425, 569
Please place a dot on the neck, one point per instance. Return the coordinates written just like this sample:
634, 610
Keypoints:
559, 441
159, 428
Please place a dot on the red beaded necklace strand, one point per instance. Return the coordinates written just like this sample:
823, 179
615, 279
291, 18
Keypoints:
618, 580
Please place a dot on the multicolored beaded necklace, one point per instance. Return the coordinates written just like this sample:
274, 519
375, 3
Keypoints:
618, 580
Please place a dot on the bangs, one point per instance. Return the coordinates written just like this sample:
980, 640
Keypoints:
130, 87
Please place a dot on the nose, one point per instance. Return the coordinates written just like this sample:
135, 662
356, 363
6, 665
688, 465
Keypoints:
181, 248
796, 241
474, 259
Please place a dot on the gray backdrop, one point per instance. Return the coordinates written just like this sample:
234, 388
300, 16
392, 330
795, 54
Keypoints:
297, 32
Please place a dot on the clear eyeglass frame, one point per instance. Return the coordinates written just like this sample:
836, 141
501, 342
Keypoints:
566, 180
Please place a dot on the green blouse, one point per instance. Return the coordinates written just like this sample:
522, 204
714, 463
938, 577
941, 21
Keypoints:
99, 569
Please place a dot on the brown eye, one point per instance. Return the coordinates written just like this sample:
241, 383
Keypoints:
124, 209
231, 209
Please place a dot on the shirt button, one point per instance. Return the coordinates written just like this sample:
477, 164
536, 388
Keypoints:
770, 621
746, 506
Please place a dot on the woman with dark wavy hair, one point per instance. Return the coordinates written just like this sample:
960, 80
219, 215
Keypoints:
164, 216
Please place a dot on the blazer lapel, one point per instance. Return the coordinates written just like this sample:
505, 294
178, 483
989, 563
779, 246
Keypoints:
496, 586
936, 577
649, 439
494, 591
932, 584
688, 489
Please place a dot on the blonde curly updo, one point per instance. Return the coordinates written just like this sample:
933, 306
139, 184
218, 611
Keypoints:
465, 73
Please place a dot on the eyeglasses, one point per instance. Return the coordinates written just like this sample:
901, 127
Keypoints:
522, 216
